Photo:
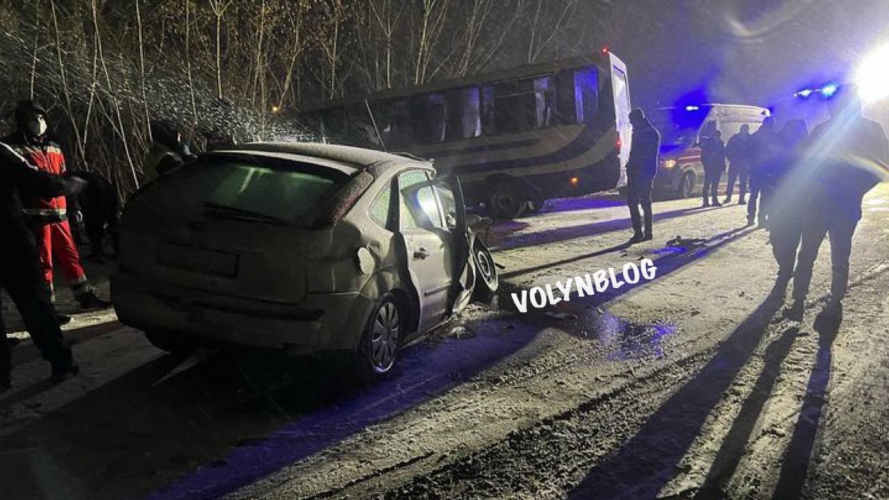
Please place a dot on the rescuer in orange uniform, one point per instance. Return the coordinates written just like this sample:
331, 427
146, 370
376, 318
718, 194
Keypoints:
48, 216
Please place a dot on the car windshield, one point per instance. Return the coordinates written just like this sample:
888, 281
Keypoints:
252, 189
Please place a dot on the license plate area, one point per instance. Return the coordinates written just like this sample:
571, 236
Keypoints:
198, 260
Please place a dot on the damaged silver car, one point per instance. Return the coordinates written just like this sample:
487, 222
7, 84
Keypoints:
307, 248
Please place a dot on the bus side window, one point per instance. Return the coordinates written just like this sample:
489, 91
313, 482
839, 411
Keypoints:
518, 105
566, 102
430, 116
586, 94
464, 116
394, 120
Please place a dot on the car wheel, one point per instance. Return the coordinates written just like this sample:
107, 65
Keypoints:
506, 202
686, 185
487, 281
379, 345
173, 342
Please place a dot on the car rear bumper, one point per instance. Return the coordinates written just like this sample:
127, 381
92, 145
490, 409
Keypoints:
320, 322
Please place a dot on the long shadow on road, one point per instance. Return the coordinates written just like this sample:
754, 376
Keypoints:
735, 442
592, 229
644, 465
799, 451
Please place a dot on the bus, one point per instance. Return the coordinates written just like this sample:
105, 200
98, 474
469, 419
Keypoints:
514, 137
680, 171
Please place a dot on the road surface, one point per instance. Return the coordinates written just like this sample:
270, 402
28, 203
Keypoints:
689, 385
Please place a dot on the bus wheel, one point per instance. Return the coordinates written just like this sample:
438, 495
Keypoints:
534, 206
507, 202
686, 185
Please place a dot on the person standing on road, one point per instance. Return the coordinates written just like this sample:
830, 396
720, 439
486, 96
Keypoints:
167, 151
738, 152
98, 208
763, 144
713, 158
849, 155
49, 215
20, 274
641, 169
784, 176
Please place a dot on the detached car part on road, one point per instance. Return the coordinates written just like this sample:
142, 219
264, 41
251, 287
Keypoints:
307, 248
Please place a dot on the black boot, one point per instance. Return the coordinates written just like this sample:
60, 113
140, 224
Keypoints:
62, 319
89, 301
64, 368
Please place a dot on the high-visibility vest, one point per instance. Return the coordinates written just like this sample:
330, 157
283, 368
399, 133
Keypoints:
153, 159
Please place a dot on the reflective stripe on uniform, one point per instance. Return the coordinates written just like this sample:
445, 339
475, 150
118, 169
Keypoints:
44, 211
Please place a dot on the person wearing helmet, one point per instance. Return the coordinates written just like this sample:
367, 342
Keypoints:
49, 215
641, 169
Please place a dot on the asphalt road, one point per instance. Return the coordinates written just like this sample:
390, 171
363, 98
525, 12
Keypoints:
685, 386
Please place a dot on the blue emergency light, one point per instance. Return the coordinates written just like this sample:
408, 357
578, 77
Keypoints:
827, 91
691, 108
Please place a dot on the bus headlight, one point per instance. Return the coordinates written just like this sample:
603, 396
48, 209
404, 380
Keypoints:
670, 164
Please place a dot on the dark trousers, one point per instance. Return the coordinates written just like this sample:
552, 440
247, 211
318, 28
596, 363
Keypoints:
639, 194
736, 171
840, 229
785, 235
756, 195
22, 281
98, 224
711, 184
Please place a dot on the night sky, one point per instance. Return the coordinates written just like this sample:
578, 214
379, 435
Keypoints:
751, 51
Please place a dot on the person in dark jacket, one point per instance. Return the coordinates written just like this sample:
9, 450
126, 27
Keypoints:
20, 274
738, 153
713, 158
763, 144
849, 155
167, 151
783, 179
96, 210
641, 169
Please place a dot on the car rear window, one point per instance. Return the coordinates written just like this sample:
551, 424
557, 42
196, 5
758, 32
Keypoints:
256, 188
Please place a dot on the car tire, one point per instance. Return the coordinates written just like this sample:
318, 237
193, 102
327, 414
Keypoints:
686, 185
506, 201
487, 280
172, 342
378, 347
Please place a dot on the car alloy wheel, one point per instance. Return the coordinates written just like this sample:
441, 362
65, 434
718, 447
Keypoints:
384, 334
487, 286
686, 185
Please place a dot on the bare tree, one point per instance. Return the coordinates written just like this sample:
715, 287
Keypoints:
219, 7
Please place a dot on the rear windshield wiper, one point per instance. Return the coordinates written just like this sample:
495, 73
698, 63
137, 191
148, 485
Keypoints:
241, 213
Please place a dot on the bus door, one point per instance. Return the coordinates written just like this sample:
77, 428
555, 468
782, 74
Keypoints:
621, 88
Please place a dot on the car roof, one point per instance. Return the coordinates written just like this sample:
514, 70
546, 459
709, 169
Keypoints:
346, 159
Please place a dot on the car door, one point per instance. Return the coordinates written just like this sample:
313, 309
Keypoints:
427, 242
